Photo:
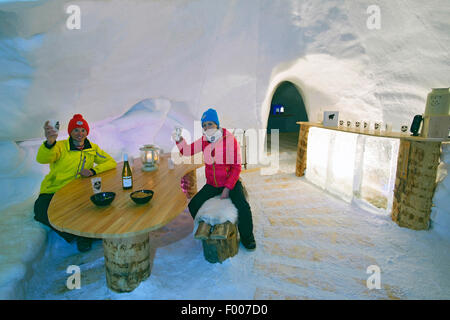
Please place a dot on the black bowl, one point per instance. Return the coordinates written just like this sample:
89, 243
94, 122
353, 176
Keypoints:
141, 196
103, 198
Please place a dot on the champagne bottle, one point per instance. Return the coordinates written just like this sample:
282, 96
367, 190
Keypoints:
127, 176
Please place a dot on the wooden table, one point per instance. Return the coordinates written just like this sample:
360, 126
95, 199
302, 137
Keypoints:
124, 226
415, 182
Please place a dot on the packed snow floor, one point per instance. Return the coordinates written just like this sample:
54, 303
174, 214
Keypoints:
310, 245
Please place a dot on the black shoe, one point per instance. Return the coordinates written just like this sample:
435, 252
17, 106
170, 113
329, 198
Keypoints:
249, 244
84, 244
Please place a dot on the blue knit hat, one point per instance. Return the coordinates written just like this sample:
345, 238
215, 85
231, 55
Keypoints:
211, 115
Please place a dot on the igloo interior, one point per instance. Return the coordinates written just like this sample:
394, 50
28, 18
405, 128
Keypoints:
136, 69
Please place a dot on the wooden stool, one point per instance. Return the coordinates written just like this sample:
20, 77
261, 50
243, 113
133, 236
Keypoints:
220, 242
217, 229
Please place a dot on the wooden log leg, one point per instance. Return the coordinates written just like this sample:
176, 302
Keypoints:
189, 184
220, 250
302, 147
127, 262
415, 183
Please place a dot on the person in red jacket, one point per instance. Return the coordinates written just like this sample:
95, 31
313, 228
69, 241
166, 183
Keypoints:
221, 154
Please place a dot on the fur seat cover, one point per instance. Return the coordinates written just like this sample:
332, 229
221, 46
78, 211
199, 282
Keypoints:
216, 211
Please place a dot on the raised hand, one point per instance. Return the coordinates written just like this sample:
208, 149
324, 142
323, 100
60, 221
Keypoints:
86, 173
225, 193
50, 133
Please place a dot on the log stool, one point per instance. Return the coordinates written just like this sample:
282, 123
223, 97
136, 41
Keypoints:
217, 229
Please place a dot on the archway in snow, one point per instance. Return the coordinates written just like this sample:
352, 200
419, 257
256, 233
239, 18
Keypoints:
286, 108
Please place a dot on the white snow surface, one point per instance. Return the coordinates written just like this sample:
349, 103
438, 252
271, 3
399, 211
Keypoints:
312, 246
137, 68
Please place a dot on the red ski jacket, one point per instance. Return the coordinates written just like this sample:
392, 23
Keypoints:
222, 158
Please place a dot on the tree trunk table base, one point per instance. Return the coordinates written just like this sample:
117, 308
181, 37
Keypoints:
415, 183
127, 262
222, 243
302, 147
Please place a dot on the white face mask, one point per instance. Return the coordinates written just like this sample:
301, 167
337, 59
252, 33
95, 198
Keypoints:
212, 135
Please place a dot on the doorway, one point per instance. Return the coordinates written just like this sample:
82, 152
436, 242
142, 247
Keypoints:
286, 109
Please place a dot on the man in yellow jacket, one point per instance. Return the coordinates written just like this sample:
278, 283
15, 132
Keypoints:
69, 160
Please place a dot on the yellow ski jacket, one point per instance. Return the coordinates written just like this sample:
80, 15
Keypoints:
66, 162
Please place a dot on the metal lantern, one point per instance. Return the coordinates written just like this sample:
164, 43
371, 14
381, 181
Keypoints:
150, 157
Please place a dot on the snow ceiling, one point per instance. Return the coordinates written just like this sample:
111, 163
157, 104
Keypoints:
230, 55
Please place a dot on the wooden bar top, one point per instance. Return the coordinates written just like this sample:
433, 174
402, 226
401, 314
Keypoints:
71, 209
394, 135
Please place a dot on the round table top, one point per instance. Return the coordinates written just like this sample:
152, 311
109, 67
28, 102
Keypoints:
72, 211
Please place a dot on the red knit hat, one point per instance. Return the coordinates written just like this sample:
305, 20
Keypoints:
78, 122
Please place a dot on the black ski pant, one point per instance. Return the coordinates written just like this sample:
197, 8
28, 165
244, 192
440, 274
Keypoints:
237, 196
40, 214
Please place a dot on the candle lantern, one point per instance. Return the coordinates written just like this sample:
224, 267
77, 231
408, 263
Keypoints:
150, 157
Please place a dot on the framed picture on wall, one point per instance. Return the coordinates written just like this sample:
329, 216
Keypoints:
330, 118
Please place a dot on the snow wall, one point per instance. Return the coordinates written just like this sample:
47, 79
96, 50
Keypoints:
136, 68
440, 213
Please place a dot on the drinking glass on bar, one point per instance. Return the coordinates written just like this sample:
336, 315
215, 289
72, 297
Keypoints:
377, 127
349, 124
366, 125
404, 130
388, 127
319, 117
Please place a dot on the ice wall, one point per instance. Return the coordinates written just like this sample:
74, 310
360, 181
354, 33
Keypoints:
440, 213
356, 168
362, 169
22, 240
